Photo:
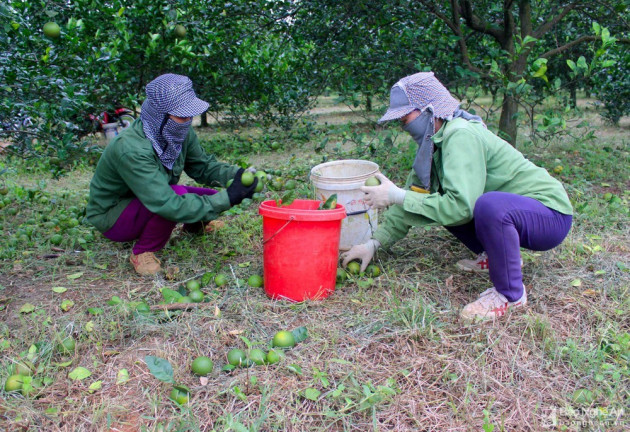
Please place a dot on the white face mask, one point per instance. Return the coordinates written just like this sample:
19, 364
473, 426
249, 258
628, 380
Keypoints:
421, 130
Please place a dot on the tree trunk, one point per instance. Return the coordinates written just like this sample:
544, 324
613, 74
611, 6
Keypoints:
507, 122
204, 120
368, 103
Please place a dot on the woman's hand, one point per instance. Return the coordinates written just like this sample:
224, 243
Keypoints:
237, 192
383, 195
365, 252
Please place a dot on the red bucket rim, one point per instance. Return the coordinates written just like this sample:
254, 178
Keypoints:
268, 208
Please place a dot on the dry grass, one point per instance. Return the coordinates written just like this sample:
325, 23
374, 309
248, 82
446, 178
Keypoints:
389, 356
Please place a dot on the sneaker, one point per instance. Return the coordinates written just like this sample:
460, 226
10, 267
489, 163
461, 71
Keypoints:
145, 263
490, 305
479, 264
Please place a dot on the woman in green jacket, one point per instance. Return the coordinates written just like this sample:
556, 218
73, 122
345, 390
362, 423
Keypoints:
134, 195
473, 183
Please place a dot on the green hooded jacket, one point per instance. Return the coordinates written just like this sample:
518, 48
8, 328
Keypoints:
129, 168
468, 161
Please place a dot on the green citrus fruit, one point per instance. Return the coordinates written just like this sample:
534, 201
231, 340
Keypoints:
202, 366
143, 308
24, 368
372, 181
185, 299
66, 346
258, 356
608, 196
56, 239
196, 296
12, 211
283, 339
247, 178
14, 383
236, 357
255, 281
193, 285
275, 145
290, 185
180, 31
52, 30
273, 357
262, 176
220, 280
179, 396
354, 267
341, 275
4, 190
373, 270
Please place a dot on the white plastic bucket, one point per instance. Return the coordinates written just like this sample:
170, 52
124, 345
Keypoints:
344, 178
110, 130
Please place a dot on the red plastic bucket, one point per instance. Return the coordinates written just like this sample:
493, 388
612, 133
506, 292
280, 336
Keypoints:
300, 249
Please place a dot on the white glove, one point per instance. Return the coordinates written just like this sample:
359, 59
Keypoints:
251, 169
383, 195
365, 252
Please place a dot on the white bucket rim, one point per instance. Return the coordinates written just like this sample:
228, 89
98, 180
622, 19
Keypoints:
319, 178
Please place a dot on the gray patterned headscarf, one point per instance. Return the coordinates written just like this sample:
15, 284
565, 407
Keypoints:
169, 94
423, 91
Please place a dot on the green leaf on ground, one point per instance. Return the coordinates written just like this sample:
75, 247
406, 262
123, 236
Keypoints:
27, 308
160, 368
79, 373
576, 282
311, 394
300, 334
74, 276
122, 376
59, 290
66, 305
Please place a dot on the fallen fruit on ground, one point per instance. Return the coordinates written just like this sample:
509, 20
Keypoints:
25, 368
372, 181
220, 280
66, 346
247, 178
202, 366
255, 281
196, 296
193, 285
354, 267
180, 394
373, 270
342, 275
14, 383
273, 357
283, 339
56, 239
236, 357
258, 356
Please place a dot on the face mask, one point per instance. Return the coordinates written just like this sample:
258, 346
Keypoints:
174, 134
421, 129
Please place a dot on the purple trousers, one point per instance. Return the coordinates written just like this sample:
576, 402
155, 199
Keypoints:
502, 223
150, 230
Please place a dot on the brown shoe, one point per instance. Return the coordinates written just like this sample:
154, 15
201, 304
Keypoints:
145, 263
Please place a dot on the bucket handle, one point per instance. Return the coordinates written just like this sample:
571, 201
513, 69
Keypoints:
283, 227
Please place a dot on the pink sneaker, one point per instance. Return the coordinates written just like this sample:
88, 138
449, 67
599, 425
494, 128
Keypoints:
479, 264
491, 305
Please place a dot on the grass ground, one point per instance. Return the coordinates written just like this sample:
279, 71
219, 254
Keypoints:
387, 353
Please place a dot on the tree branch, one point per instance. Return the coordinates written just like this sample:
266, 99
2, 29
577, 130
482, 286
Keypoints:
477, 24
553, 20
577, 41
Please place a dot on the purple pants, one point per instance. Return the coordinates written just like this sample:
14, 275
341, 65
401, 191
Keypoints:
502, 223
150, 230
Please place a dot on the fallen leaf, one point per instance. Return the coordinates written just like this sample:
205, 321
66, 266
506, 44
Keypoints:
449, 282
203, 381
217, 312
27, 308
59, 290
576, 282
236, 332
74, 276
79, 374
66, 305
590, 293
122, 376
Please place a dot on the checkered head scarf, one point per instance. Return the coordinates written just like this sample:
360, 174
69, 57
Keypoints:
169, 94
423, 91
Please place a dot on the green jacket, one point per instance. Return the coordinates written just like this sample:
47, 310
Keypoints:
129, 168
468, 161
